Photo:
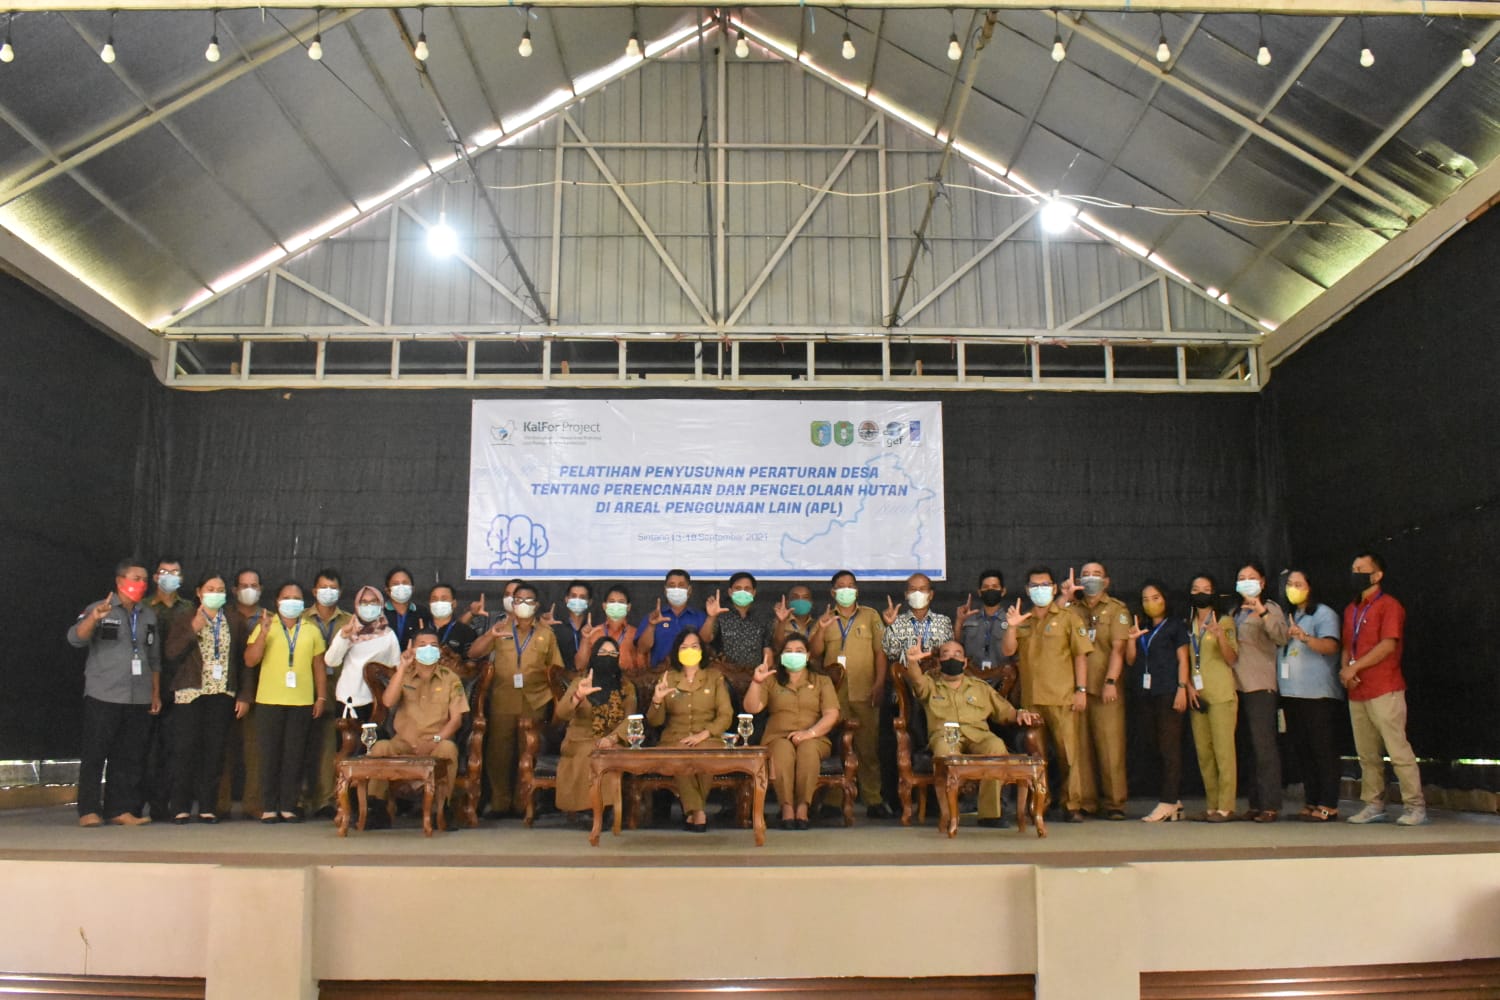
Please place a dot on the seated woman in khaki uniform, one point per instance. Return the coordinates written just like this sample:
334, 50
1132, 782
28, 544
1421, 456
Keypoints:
595, 707
694, 705
804, 708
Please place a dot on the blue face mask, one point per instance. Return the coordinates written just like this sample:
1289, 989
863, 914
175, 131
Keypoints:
291, 607
801, 607
428, 655
168, 583
794, 661
578, 605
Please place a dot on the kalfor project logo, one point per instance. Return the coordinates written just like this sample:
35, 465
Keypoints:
503, 433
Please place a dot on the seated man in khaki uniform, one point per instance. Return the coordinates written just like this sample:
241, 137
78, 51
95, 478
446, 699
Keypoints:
957, 697
428, 705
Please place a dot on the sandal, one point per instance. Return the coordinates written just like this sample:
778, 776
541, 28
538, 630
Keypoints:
1267, 816
1320, 814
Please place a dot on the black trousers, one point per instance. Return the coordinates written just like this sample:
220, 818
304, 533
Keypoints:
1310, 725
156, 782
281, 738
199, 732
1166, 726
1258, 722
116, 735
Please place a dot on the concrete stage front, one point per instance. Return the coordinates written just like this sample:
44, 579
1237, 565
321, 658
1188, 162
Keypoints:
268, 912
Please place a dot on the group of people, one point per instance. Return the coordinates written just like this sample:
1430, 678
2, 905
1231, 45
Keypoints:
197, 700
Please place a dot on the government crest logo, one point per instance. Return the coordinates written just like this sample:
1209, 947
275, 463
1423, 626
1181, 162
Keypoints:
843, 433
821, 433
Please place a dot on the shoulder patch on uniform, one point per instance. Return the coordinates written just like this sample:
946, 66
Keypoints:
1082, 630
1124, 619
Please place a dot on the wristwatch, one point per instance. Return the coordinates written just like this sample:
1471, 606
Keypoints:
1110, 681
1080, 689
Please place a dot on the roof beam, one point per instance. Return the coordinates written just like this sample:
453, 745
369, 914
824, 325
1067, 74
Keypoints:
1147, 65
189, 97
1424, 8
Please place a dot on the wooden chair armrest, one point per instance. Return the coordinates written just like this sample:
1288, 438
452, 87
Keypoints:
1033, 739
531, 738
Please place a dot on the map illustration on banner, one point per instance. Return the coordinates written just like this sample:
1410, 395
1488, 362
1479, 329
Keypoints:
627, 489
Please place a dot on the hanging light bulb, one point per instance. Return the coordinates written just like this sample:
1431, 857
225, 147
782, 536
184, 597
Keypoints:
1262, 54
633, 46
955, 50
525, 47
420, 50
1163, 50
847, 48
741, 46
442, 241
315, 50
1057, 215
1366, 57
1058, 52
107, 54
212, 53
1465, 58
7, 50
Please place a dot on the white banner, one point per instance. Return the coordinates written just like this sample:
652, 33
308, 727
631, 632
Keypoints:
611, 489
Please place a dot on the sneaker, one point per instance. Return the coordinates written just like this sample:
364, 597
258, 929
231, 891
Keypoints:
1413, 816
1371, 813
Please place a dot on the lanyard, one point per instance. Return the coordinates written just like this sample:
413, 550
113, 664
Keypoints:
1359, 623
135, 614
521, 646
401, 626
844, 630
447, 629
327, 632
291, 644
577, 635
1195, 634
1145, 642
989, 630
217, 621
926, 629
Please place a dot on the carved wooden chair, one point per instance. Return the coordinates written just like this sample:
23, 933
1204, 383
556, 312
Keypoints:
841, 767
914, 770
541, 746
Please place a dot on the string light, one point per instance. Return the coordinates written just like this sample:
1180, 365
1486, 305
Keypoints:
7, 50
1366, 57
525, 47
1263, 54
315, 50
107, 54
212, 53
1466, 58
420, 50
1058, 52
1163, 51
955, 50
741, 46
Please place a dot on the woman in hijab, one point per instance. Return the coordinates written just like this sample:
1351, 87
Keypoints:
595, 707
366, 638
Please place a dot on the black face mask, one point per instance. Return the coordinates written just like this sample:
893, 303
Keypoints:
1201, 600
1360, 582
952, 667
991, 597
606, 670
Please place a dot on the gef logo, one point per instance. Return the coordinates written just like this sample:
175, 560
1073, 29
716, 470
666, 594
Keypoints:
821, 433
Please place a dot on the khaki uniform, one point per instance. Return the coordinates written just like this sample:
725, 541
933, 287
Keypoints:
1101, 729
323, 736
794, 768
521, 658
242, 757
973, 704
422, 712
1045, 650
578, 743
688, 710
866, 637
1213, 731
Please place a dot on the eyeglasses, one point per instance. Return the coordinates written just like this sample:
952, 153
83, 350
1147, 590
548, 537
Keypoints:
524, 600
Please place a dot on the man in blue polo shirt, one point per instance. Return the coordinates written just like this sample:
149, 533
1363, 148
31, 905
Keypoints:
657, 632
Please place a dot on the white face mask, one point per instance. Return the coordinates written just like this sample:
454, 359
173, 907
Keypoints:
401, 593
249, 595
328, 596
508, 603
918, 599
1247, 588
524, 611
441, 609
677, 596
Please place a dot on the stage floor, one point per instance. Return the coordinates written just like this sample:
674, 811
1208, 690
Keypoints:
52, 834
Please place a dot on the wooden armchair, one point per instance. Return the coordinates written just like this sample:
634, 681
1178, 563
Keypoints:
468, 782
541, 746
840, 768
914, 770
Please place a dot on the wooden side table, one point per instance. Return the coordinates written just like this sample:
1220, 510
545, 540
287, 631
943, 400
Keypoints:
359, 771
953, 770
674, 761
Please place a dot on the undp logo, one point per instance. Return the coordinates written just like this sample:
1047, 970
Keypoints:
822, 433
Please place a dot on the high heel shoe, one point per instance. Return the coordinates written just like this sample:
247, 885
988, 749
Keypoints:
1165, 812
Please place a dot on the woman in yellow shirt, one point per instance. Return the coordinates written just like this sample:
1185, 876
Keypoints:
291, 692
1215, 650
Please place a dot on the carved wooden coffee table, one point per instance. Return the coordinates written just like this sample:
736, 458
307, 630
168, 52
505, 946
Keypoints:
675, 761
953, 770
359, 771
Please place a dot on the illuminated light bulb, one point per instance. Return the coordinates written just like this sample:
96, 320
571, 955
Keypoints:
955, 50
848, 47
7, 52
1366, 57
107, 54
525, 47
1058, 52
315, 50
741, 46
1163, 51
420, 50
212, 53
1263, 57
1057, 215
633, 46
442, 241
1466, 58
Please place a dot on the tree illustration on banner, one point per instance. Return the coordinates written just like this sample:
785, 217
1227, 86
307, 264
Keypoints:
517, 542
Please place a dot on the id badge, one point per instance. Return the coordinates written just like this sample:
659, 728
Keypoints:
1198, 682
291, 678
1281, 720
218, 671
1092, 632
135, 666
1286, 670
1145, 682
518, 681
843, 660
